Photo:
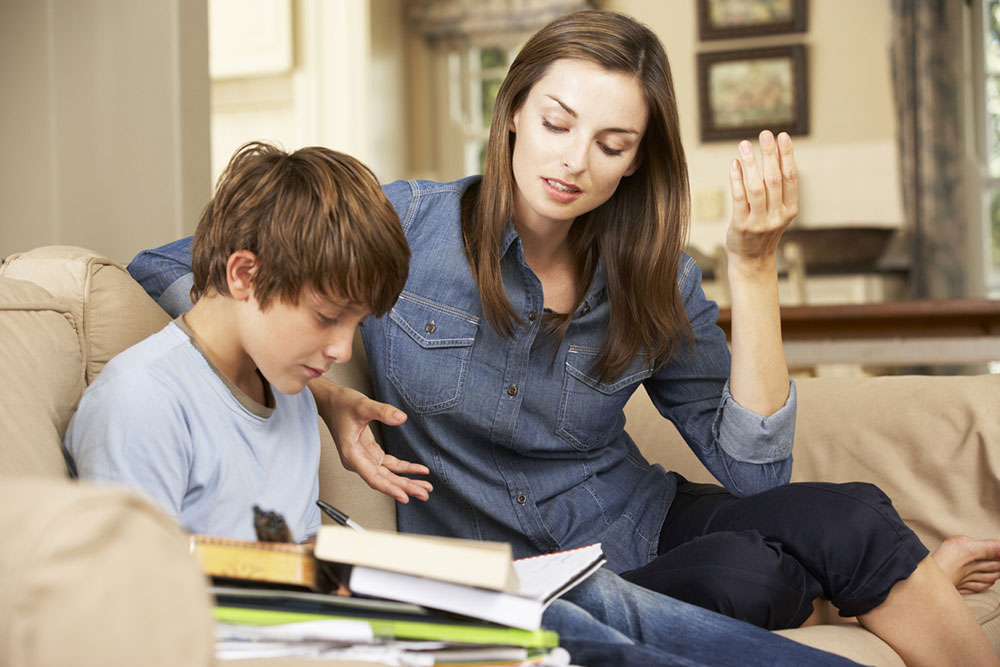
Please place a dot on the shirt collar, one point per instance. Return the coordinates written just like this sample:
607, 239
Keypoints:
596, 293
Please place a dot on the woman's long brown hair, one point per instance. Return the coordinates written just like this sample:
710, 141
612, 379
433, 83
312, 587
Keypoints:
637, 235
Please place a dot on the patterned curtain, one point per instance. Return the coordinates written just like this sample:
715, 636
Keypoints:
926, 66
463, 23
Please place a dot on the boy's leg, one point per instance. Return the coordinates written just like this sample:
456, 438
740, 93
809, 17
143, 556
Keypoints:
606, 612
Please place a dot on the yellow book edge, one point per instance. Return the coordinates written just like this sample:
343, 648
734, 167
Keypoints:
272, 562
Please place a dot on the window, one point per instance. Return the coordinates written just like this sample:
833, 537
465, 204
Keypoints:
475, 76
989, 62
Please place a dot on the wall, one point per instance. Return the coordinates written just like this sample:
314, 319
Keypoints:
105, 112
847, 162
104, 121
344, 86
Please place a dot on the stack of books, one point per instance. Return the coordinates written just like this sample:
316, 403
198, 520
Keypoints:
358, 594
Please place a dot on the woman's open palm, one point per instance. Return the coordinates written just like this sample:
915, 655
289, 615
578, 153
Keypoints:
765, 197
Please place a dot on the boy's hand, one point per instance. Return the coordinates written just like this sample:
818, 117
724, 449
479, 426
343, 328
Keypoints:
348, 414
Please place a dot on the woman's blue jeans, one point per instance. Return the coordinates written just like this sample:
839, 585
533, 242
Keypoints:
609, 621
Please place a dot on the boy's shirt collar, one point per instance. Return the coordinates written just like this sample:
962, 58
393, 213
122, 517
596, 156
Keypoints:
250, 404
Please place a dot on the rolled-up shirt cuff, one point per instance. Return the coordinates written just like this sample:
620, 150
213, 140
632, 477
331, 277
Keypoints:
752, 438
176, 299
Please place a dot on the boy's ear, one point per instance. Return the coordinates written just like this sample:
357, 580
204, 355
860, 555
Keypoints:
240, 268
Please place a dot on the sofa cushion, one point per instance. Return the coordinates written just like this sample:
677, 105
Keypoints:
339, 487
849, 640
96, 576
112, 309
932, 443
929, 442
43, 371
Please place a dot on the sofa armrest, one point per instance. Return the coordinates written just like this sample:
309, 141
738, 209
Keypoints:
95, 575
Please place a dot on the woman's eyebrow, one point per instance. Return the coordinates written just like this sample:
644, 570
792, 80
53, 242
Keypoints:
568, 109
565, 106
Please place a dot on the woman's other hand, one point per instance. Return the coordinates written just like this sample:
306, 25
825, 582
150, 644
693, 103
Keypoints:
765, 199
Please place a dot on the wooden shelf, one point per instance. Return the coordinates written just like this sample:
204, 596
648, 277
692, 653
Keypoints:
945, 331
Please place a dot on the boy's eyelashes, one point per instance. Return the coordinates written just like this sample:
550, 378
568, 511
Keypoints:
608, 150
326, 320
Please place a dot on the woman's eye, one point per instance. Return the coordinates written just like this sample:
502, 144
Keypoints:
610, 151
552, 128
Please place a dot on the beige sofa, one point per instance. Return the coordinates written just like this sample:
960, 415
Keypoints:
92, 575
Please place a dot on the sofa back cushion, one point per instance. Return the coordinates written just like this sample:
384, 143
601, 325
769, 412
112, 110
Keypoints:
932, 443
339, 487
112, 310
43, 377
64, 312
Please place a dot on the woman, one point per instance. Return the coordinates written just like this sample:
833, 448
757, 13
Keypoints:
542, 295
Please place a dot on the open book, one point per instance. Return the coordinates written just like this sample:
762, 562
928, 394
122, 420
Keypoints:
539, 579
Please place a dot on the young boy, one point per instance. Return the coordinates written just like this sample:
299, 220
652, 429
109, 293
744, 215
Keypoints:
208, 416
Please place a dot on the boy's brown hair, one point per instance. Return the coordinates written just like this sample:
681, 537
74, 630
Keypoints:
314, 218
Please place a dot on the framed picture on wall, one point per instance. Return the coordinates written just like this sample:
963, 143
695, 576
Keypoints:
725, 19
743, 92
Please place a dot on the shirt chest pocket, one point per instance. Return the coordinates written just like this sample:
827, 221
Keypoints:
590, 411
428, 353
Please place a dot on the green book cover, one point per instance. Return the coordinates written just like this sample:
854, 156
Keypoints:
400, 629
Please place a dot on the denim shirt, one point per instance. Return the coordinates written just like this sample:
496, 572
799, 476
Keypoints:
523, 443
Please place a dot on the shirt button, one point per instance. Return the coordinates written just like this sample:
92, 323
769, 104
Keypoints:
512, 390
532, 316
521, 499
585, 309
431, 327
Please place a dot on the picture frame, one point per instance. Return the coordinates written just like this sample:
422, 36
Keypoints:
728, 19
742, 92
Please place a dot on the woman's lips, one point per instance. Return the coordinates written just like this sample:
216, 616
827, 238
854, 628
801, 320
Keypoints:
560, 191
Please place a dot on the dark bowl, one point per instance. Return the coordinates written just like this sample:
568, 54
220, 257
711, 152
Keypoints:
840, 248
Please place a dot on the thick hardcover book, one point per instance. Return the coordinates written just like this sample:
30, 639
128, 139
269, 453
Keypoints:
280, 563
542, 579
458, 561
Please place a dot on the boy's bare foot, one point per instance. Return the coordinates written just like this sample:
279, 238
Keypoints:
972, 565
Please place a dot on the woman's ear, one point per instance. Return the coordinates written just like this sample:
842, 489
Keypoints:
636, 163
240, 269
513, 121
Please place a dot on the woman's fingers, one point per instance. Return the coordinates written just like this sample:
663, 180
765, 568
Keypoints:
789, 174
741, 206
752, 181
765, 195
765, 192
773, 177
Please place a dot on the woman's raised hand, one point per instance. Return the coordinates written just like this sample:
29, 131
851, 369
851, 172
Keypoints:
765, 198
